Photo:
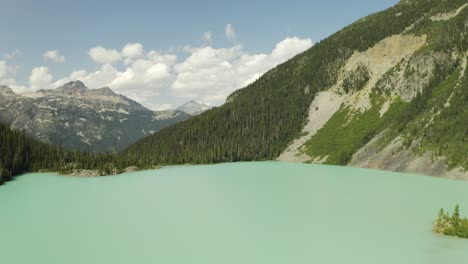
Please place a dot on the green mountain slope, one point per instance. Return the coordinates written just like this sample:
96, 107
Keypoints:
389, 76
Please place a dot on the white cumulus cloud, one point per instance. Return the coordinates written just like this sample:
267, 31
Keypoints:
141, 80
7, 73
54, 55
207, 74
40, 78
210, 75
133, 50
290, 47
160, 107
104, 56
6, 69
160, 80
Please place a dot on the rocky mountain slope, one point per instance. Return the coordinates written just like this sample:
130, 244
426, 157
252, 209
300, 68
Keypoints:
80, 118
402, 102
389, 92
194, 108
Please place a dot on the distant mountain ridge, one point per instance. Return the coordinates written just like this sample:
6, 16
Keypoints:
77, 117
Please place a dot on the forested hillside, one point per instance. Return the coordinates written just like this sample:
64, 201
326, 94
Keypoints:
261, 120
19, 153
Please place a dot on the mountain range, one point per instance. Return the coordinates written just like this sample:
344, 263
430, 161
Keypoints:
77, 117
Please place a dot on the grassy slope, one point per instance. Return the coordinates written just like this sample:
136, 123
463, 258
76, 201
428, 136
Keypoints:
347, 132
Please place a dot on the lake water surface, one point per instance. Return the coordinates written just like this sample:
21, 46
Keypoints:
261, 212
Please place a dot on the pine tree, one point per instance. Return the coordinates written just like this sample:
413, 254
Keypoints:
441, 215
456, 216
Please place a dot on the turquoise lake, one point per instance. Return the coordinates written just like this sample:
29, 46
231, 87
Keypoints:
259, 212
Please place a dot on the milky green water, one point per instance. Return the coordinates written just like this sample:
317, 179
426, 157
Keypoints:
266, 212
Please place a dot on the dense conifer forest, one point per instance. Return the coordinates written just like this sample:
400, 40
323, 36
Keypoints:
19, 153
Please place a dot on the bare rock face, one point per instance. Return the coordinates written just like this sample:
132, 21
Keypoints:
75, 88
81, 118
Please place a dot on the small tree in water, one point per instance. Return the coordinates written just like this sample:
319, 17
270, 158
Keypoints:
441, 214
451, 225
456, 216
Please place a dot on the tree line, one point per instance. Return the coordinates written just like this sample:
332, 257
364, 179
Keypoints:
20, 153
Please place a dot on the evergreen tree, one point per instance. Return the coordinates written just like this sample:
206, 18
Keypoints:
456, 215
441, 214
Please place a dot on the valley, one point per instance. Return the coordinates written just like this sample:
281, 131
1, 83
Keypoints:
375, 94
338, 147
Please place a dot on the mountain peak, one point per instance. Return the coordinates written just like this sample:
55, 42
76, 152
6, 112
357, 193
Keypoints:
75, 84
73, 88
6, 90
193, 107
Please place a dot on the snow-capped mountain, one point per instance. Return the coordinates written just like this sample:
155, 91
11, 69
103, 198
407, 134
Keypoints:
80, 118
194, 108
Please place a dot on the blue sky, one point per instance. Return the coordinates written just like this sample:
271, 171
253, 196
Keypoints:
175, 28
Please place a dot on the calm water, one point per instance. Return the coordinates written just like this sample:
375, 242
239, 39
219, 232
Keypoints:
265, 212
